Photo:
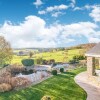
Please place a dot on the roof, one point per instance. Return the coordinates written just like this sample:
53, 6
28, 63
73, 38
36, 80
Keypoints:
94, 52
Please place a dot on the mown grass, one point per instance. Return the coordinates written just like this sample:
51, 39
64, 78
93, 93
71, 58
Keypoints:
60, 87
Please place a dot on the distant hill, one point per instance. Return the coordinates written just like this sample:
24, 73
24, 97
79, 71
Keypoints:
86, 46
81, 46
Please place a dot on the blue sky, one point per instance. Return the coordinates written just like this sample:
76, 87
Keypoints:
55, 23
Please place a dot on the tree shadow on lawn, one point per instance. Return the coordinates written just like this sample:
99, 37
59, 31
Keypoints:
25, 94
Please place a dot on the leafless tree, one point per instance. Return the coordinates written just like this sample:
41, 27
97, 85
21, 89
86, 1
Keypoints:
5, 52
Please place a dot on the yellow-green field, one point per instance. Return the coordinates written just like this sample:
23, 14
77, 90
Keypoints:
59, 56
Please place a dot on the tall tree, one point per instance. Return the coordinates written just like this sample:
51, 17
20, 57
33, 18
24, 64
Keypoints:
5, 52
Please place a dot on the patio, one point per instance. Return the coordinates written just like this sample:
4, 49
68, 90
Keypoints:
90, 80
93, 90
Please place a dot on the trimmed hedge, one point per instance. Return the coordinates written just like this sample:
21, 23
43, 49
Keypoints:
54, 72
27, 62
61, 70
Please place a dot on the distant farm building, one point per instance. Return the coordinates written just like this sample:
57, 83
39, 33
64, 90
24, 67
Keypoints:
23, 53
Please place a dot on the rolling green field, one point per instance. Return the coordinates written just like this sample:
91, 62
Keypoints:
59, 56
60, 87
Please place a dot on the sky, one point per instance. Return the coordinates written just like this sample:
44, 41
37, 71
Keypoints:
49, 23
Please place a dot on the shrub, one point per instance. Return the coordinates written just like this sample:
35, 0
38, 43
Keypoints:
54, 64
72, 61
61, 70
5, 87
5, 65
27, 62
30, 71
54, 72
6, 75
39, 61
44, 62
46, 98
26, 72
78, 57
16, 69
20, 82
5, 80
52, 61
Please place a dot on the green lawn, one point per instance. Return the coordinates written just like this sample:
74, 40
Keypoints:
60, 87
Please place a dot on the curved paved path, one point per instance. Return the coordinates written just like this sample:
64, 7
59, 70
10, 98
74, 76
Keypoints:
93, 91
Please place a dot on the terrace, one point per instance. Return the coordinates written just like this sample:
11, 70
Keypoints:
90, 80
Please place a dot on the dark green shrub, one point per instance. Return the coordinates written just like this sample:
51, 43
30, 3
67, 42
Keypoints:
30, 71
52, 61
5, 65
72, 61
54, 72
79, 57
27, 62
61, 70
39, 61
44, 62
54, 64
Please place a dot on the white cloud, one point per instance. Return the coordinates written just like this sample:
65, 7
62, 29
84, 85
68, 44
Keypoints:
72, 4
38, 3
95, 14
41, 12
33, 32
73, 1
86, 7
54, 10
56, 14
78, 8
95, 11
94, 40
57, 8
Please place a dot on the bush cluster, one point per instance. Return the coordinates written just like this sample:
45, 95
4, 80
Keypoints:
61, 70
26, 72
15, 69
5, 87
7, 84
20, 82
48, 62
54, 72
77, 58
